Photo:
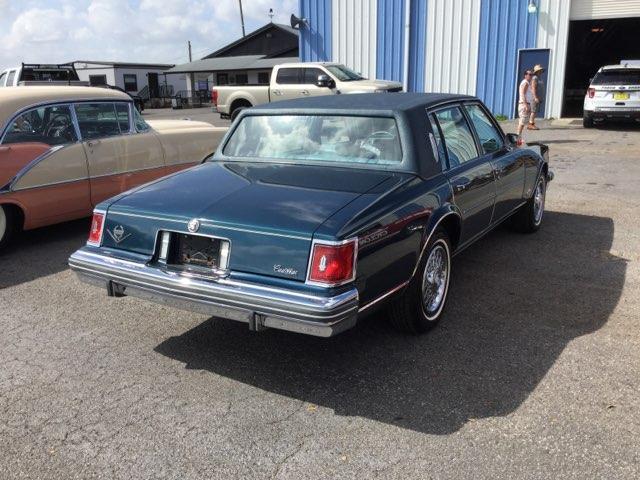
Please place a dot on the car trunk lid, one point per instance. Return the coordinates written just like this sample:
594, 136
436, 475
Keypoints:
268, 212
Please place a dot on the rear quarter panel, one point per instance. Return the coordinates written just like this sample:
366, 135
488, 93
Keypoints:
391, 233
183, 147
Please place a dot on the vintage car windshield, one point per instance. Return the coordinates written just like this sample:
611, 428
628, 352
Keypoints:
344, 74
317, 138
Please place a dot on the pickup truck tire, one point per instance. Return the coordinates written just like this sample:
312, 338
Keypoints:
420, 306
236, 110
9, 224
529, 217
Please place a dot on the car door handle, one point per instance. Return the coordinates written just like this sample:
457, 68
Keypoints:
93, 143
305, 92
277, 92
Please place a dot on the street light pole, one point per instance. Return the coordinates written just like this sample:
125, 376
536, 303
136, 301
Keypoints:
241, 17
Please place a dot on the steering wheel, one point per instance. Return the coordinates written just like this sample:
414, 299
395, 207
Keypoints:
58, 125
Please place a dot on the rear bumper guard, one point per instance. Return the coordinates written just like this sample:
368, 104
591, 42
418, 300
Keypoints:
259, 306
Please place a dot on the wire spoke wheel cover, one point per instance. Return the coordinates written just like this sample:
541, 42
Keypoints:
435, 280
538, 202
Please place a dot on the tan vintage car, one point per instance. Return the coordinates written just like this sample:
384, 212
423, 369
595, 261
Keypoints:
65, 149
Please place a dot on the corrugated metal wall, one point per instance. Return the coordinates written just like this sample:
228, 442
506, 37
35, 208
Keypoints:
315, 39
501, 36
594, 9
353, 37
452, 45
553, 33
390, 40
417, 45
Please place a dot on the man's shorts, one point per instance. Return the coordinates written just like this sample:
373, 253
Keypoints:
535, 107
523, 113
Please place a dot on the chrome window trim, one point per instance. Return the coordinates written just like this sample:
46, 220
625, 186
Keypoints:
52, 184
317, 241
8, 124
47, 103
115, 111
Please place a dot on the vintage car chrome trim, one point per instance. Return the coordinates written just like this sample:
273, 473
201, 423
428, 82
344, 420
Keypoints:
24, 170
210, 224
424, 247
258, 305
317, 241
383, 296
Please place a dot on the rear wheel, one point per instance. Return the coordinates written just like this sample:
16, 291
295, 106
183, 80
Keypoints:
420, 307
8, 225
529, 218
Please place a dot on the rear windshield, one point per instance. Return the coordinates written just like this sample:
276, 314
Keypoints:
317, 138
617, 77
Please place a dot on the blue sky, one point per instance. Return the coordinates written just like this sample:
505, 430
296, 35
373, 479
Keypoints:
56, 31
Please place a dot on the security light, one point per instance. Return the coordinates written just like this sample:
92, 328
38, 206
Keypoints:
532, 7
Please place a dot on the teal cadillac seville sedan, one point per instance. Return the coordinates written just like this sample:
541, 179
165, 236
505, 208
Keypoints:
316, 212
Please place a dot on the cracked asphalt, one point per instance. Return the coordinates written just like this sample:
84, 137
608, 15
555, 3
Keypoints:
533, 373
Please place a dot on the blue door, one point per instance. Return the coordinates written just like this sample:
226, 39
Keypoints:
527, 58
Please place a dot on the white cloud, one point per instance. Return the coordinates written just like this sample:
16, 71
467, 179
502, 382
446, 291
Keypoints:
49, 31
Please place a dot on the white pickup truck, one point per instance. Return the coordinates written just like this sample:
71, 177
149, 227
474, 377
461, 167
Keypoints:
296, 80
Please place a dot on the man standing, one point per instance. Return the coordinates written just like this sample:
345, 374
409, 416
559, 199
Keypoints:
537, 90
525, 98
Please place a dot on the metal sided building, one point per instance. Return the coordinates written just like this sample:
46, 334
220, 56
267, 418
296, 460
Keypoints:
477, 47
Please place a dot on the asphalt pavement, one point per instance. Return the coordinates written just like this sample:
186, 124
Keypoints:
533, 373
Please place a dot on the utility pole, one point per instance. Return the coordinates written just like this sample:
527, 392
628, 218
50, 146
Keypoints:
189, 45
241, 17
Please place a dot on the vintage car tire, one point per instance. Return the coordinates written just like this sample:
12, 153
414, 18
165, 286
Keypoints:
7, 225
409, 313
529, 218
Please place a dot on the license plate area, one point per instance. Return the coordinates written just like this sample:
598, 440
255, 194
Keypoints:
620, 96
197, 253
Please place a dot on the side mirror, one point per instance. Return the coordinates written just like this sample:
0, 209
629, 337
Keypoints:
513, 139
325, 81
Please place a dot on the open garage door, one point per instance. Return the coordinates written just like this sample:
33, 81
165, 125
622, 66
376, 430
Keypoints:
592, 44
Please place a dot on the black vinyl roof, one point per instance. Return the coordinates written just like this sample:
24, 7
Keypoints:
388, 103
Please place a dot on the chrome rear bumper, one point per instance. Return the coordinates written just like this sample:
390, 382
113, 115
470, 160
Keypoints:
259, 306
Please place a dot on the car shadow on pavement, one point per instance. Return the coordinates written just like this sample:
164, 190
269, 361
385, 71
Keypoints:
41, 252
515, 302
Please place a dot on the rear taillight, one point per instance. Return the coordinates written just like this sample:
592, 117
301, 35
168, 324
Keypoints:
333, 264
214, 97
591, 92
97, 225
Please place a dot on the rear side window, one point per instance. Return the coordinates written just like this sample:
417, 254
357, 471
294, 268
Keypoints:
458, 139
122, 112
97, 120
617, 77
10, 78
439, 144
490, 138
50, 125
288, 76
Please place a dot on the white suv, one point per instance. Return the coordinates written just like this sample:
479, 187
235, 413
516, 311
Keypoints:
614, 94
